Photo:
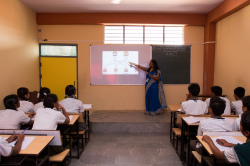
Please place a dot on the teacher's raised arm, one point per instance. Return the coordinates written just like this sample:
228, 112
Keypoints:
139, 66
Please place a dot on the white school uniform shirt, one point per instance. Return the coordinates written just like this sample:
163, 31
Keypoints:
192, 107
12, 119
72, 105
26, 106
5, 149
47, 119
236, 124
237, 106
214, 124
227, 110
229, 155
38, 105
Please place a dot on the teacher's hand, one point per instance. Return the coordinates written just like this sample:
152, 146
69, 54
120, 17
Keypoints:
150, 75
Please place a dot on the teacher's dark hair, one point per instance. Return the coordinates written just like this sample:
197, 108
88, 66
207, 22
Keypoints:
156, 67
49, 100
10, 101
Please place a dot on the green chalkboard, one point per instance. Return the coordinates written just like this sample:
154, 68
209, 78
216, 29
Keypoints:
174, 62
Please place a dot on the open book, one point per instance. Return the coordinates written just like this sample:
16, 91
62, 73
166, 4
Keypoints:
229, 139
192, 119
26, 142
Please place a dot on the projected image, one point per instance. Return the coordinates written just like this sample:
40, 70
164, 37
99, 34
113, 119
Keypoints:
117, 62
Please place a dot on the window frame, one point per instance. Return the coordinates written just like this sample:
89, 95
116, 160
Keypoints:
143, 42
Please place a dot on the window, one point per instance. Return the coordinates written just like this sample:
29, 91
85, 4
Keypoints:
143, 35
58, 50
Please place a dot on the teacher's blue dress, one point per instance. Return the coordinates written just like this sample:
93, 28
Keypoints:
153, 105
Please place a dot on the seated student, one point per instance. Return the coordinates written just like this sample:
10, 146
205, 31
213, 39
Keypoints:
245, 107
236, 106
43, 92
25, 105
193, 106
11, 118
217, 91
238, 153
47, 118
6, 149
70, 103
215, 123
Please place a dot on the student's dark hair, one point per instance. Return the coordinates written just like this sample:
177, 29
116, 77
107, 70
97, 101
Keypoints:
246, 102
245, 121
70, 90
218, 105
43, 92
194, 89
156, 67
49, 100
10, 101
217, 90
240, 92
21, 92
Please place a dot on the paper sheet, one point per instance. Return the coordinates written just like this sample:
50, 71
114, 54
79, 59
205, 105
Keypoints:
231, 120
87, 106
70, 118
179, 110
192, 119
229, 139
26, 142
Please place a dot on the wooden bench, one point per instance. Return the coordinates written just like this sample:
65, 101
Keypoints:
177, 133
197, 157
60, 158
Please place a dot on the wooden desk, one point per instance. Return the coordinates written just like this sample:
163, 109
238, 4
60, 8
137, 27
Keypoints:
66, 127
35, 148
206, 150
74, 119
173, 109
192, 127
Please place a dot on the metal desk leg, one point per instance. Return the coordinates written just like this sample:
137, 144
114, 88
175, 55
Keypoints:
188, 149
171, 124
182, 139
70, 148
77, 132
214, 161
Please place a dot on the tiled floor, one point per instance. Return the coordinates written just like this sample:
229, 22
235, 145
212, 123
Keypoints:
128, 150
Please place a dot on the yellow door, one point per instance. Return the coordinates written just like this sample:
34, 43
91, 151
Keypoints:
57, 73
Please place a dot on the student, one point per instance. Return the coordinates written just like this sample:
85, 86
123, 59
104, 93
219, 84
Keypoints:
193, 106
238, 153
70, 103
245, 107
11, 118
217, 91
43, 92
215, 123
6, 149
236, 106
25, 105
47, 118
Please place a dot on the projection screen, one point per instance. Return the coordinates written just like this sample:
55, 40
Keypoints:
109, 64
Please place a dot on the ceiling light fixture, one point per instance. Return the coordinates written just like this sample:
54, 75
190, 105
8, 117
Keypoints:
115, 1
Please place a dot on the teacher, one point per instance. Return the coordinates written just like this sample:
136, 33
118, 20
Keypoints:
153, 78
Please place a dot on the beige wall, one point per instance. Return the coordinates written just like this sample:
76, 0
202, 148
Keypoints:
18, 51
232, 52
120, 97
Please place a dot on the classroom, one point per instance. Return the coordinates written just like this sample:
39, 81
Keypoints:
216, 30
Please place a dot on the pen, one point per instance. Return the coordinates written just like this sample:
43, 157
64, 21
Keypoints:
220, 142
22, 133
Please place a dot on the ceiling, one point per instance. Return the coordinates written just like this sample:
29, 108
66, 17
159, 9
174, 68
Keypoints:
134, 6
